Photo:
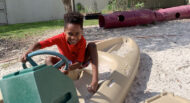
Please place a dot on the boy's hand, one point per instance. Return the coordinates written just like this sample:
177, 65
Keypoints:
23, 58
92, 88
64, 71
34, 47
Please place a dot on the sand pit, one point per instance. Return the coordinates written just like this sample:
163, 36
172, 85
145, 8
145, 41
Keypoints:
165, 57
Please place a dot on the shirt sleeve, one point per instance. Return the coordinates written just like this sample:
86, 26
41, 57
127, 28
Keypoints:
50, 41
81, 53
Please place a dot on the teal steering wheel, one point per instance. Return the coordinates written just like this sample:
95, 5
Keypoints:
40, 52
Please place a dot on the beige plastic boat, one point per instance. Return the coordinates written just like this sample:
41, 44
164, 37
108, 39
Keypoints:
167, 98
124, 67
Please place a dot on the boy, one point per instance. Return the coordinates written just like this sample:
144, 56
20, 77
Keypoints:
72, 45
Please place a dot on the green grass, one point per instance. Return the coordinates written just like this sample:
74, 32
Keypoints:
17, 31
90, 22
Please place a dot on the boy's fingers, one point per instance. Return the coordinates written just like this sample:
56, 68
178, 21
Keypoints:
64, 71
92, 89
23, 59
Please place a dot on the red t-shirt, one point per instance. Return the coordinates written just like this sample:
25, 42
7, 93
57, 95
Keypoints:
72, 52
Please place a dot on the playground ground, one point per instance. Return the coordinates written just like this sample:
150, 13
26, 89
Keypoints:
164, 64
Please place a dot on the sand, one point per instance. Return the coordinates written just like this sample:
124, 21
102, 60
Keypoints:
165, 57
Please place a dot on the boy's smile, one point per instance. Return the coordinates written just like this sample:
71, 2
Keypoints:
73, 33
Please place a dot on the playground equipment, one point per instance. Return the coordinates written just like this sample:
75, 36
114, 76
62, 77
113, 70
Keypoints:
166, 98
139, 17
126, 18
124, 69
92, 16
180, 12
39, 84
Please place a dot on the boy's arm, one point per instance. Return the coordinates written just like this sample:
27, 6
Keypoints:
94, 63
94, 83
34, 47
42, 44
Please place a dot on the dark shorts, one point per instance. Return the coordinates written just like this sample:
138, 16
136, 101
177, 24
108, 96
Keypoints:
85, 64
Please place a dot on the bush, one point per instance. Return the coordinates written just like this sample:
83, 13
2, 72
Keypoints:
80, 8
139, 5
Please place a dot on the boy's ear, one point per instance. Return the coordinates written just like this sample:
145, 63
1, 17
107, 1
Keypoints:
64, 28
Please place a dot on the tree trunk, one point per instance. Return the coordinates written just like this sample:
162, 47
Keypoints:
67, 5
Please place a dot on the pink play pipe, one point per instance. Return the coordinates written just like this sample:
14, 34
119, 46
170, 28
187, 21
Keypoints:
139, 17
173, 13
126, 18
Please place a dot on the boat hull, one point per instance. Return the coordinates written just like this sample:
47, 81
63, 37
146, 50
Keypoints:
124, 70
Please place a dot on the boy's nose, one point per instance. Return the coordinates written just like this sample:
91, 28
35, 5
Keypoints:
73, 37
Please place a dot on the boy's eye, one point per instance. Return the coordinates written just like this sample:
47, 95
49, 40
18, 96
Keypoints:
70, 34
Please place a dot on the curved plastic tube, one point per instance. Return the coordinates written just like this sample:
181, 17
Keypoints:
173, 13
139, 17
126, 18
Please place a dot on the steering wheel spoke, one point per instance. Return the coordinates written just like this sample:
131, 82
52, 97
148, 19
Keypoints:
31, 61
59, 64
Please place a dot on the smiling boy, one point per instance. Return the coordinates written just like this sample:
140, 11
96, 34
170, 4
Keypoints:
72, 45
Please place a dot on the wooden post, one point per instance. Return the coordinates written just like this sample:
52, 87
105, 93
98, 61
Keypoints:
73, 5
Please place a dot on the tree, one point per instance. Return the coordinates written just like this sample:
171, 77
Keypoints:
67, 5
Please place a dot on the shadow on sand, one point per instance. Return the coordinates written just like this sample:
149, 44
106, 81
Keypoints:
137, 91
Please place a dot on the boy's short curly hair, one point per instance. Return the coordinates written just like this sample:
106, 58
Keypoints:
73, 18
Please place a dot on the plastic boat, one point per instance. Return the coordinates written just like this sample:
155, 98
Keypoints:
124, 69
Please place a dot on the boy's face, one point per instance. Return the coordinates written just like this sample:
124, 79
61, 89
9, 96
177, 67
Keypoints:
73, 33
